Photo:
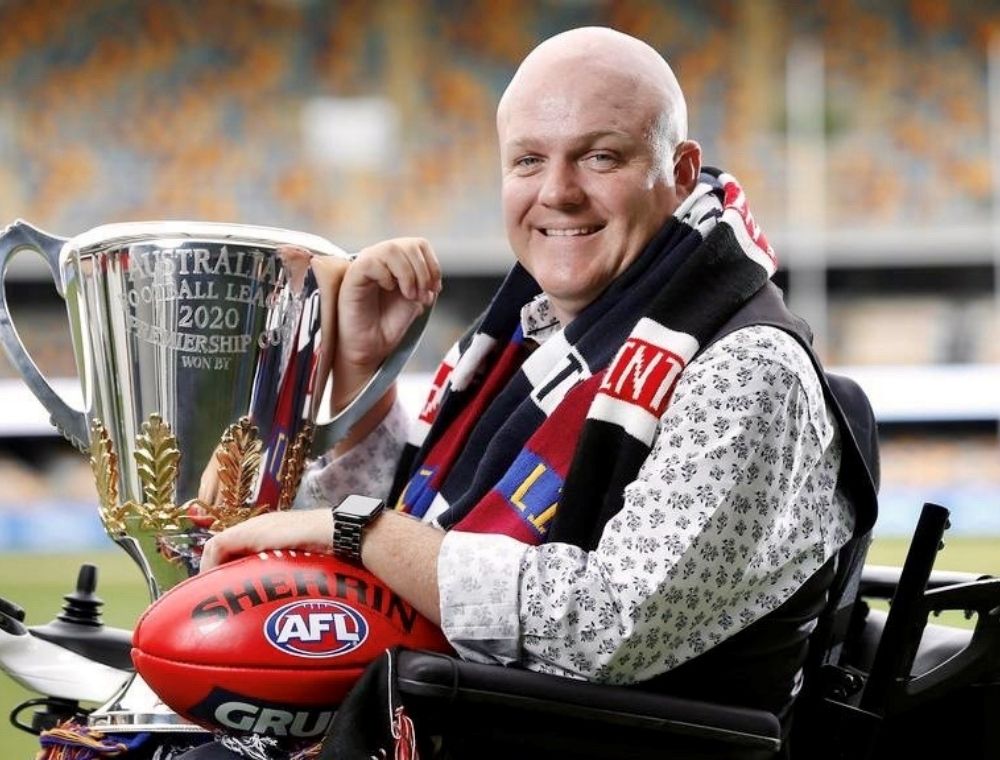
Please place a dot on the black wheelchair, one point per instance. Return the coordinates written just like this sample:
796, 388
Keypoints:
877, 684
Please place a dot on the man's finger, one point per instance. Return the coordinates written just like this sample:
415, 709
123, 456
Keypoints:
401, 261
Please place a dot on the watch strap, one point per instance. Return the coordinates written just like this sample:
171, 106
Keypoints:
347, 537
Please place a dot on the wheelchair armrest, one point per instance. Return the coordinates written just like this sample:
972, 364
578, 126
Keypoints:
880, 581
938, 643
947, 658
585, 711
980, 657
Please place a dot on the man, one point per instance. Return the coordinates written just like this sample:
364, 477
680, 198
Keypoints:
628, 488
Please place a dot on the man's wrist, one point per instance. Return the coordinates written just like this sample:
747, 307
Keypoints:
348, 382
350, 518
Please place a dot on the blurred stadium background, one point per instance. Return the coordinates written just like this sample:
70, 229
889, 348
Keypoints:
866, 132
860, 128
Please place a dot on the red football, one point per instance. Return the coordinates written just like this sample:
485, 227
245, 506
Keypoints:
271, 643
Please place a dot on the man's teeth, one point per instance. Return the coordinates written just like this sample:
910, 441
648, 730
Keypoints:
571, 232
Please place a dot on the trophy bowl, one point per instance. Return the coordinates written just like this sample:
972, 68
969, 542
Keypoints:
202, 361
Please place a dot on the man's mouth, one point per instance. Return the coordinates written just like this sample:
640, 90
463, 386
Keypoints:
570, 231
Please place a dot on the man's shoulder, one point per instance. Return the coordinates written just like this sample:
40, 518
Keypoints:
764, 349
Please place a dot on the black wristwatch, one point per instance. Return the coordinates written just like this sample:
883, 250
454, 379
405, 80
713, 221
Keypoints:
349, 520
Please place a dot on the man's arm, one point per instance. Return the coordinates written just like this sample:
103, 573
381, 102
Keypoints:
384, 289
403, 552
398, 549
377, 298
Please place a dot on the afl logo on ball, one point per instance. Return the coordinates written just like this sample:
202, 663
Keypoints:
316, 628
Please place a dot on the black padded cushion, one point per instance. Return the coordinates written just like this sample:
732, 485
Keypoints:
557, 716
938, 644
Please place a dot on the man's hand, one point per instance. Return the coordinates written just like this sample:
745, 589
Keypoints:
384, 290
302, 529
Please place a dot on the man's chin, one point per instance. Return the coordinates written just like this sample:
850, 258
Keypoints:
568, 297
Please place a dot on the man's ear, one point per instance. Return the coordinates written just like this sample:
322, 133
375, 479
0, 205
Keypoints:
687, 167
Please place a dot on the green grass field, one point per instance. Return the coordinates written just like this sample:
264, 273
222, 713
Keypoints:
38, 582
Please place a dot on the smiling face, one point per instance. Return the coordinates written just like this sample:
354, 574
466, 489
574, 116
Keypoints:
586, 182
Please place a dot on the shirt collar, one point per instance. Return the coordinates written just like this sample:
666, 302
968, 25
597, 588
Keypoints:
538, 322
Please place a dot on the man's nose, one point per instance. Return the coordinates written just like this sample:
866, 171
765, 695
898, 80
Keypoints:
561, 186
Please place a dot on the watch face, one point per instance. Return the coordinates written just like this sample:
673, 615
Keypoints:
359, 506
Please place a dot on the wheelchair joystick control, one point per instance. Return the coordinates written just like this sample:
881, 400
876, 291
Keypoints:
73, 658
80, 629
83, 606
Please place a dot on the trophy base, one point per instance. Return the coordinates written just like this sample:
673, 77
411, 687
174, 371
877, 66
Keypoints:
136, 709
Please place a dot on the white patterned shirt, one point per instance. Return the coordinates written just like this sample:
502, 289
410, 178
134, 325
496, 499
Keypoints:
733, 509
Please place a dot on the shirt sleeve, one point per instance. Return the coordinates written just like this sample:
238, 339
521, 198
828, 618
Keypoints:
366, 469
732, 511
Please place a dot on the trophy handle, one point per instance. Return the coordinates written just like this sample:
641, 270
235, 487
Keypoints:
21, 235
329, 432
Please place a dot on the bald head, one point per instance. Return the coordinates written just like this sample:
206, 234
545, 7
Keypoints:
594, 160
624, 63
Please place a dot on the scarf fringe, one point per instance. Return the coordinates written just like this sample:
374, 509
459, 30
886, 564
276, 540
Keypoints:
74, 741
405, 736
255, 747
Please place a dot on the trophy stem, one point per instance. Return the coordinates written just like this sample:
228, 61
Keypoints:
133, 550
135, 708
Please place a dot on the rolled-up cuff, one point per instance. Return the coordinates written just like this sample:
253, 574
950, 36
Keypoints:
478, 580
367, 469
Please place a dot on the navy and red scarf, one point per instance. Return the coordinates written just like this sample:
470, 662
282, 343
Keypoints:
539, 442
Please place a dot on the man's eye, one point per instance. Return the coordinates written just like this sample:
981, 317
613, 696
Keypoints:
527, 162
601, 160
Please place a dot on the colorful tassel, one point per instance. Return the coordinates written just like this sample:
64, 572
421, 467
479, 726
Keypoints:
74, 741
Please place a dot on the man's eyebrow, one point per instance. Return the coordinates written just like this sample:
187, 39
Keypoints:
529, 143
599, 133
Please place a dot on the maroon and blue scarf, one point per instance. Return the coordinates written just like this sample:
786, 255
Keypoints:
539, 442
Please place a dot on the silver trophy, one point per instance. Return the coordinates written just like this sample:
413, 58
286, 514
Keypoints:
201, 359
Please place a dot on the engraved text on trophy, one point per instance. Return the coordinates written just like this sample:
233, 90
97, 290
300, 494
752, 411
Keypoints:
204, 303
